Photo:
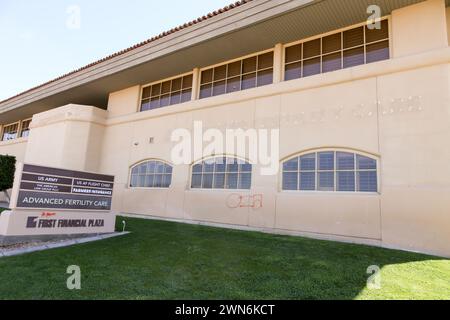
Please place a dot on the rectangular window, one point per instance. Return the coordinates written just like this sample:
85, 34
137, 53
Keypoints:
166, 93
10, 131
308, 172
25, 128
239, 75
345, 49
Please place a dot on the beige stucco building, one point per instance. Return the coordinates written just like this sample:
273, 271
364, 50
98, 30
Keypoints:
363, 116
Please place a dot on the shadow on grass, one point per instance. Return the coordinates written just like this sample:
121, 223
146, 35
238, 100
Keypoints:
163, 260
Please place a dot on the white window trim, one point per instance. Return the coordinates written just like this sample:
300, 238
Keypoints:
372, 156
142, 87
321, 36
130, 169
255, 54
8, 125
21, 127
216, 189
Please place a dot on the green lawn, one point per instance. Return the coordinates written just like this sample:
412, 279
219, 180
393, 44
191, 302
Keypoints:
163, 260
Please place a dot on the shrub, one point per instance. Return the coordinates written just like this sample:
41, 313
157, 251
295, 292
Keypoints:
7, 169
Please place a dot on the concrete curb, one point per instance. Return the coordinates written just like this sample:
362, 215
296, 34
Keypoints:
61, 244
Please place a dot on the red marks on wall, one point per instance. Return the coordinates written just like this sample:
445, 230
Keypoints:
237, 200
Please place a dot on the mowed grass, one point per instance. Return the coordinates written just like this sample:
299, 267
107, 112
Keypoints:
164, 260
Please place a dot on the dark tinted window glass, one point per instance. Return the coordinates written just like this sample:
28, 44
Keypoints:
354, 37
207, 76
308, 162
311, 49
234, 69
249, 81
186, 95
176, 84
326, 181
365, 163
294, 53
308, 181
145, 105
265, 61
156, 89
175, 98
378, 34
165, 100
346, 181
205, 91
377, 52
311, 67
326, 160
249, 65
331, 62
187, 81
166, 87
219, 88
345, 161
353, 57
265, 77
331, 43
291, 165
220, 73
293, 71
367, 181
233, 84
146, 92
290, 181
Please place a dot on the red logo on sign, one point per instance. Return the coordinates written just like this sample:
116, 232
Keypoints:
48, 214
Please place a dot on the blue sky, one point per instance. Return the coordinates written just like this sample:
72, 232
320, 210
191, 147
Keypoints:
41, 40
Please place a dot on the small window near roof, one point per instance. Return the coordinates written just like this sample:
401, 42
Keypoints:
25, 128
167, 93
340, 50
10, 131
240, 75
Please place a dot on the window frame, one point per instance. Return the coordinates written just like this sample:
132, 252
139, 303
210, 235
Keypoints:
21, 128
142, 87
18, 123
224, 63
130, 170
341, 30
191, 168
355, 152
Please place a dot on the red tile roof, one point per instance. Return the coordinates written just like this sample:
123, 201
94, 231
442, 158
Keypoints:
162, 35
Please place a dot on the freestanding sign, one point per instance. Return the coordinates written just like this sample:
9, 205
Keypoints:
58, 202
50, 188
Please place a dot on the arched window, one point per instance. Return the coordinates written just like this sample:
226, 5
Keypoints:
331, 171
151, 174
221, 173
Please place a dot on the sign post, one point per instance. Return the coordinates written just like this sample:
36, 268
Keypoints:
51, 202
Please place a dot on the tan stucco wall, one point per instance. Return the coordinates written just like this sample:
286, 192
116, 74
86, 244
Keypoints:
74, 136
15, 148
396, 110
419, 28
123, 102
403, 117
447, 14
